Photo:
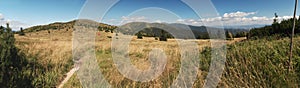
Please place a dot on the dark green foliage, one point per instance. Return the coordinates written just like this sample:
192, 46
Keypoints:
283, 29
229, 35
21, 33
12, 62
241, 34
275, 21
164, 36
203, 36
100, 28
154, 32
139, 35
107, 28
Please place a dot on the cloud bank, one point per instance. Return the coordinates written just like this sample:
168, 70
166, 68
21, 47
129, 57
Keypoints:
227, 19
234, 19
1, 17
15, 25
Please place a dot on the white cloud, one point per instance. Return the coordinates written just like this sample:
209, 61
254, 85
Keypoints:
228, 19
180, 20
1, 17
233, 19
134, 19
126, 19
15, 25
158, 21
238, 14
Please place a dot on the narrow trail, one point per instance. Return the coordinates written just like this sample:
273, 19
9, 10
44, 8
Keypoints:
69, 75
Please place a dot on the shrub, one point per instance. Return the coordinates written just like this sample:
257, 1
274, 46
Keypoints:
139, 35
12, 61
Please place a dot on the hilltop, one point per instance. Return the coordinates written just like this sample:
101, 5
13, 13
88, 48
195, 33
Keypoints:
67, 25
148, 29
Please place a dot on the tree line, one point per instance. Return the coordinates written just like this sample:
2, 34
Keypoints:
277, 29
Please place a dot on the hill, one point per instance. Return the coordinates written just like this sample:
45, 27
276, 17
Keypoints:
69, 25
182, 31
200, 32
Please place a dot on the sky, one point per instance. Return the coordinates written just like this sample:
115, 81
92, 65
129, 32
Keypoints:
27, 13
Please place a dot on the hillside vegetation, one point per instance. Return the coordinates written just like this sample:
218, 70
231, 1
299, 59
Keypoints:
46, 56
253, 63
70, 26
259, 63
277, 30
48, 48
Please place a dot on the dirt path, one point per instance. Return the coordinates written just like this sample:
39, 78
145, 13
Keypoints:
69, 75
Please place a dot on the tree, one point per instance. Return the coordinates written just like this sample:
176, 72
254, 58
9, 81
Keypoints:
21, 33
11, 60
163, 36
229, 35
275, 24
241, 34
139, 35
275, 20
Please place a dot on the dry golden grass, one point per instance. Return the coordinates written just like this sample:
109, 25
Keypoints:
55, 48
52, 51
139, 50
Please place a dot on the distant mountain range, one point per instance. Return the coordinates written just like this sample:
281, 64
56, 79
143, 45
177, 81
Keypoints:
177, 30
245, 26
149, 29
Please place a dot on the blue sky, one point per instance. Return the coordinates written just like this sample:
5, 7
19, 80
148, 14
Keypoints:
25, 13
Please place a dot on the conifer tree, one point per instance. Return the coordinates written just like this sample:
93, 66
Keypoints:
21, 33
11, 62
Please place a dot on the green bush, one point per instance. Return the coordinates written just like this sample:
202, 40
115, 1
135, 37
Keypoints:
12, 62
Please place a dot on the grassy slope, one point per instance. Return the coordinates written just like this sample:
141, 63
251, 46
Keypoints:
50, 48
51, 52
138, 52
255, 63
260, 63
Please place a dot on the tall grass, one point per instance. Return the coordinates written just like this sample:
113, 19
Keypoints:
138, 53
251, 63
259, 63
49, 58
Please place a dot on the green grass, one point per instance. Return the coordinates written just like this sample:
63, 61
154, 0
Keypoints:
45, 76
259, 63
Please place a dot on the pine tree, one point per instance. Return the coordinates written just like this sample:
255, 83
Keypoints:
21, 33
275, 24
11, 61
163, 36
139, 35
275, 20
229, 35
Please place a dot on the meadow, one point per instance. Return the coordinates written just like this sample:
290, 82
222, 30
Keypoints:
250, 63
